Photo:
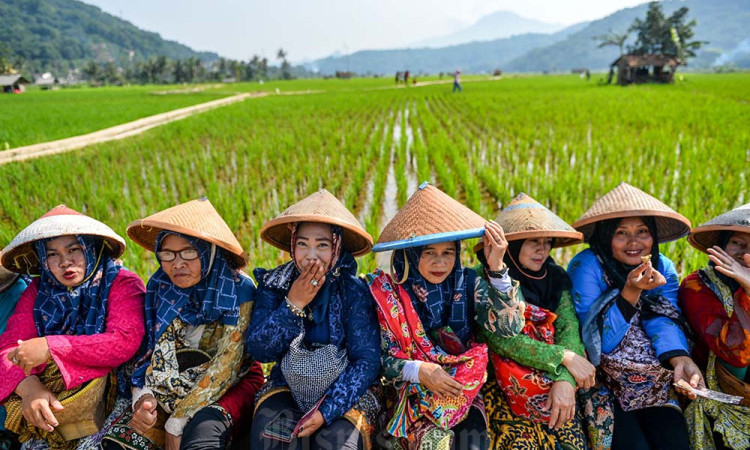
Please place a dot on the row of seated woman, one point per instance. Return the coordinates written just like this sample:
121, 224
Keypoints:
513, 353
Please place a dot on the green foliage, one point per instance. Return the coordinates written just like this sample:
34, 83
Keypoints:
658, 34
561, 141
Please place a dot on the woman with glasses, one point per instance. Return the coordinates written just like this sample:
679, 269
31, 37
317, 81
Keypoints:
193, 386
625, 294
80, 318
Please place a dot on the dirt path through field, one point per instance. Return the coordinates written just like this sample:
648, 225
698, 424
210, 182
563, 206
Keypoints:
117, 132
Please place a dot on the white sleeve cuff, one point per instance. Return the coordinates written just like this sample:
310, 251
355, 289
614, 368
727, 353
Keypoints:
175, 425
138, 393
503, 284
410, 371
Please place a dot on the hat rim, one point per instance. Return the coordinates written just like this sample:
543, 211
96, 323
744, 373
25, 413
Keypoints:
701, 236
562, 238
428, 239
586, 226
361, 236
63, 225
236, 254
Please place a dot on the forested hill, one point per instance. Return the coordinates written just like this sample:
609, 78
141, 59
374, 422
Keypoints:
60, 34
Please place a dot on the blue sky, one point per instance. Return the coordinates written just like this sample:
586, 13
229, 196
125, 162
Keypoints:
309, 29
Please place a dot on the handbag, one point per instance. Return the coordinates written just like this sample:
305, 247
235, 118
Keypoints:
634, 373
527, 389
310, 372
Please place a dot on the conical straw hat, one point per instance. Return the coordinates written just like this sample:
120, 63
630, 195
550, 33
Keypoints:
707, 235
428, 217
628, 201
525, 218
20, 256
321, 207
197, 218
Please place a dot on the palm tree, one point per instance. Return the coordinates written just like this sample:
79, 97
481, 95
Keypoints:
614, 39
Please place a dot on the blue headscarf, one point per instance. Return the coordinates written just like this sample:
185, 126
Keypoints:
81, 310
441, 304
216, 297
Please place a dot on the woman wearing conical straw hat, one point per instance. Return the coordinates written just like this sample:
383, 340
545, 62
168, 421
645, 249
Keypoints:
427, 319
546, 358
716, 303
193, 386
79, 320
314, 318
625, 294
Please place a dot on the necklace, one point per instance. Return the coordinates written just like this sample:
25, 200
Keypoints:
526, 274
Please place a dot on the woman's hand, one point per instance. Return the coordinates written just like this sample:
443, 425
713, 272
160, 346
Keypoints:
730, 267
37, 403
172, 442
30, 354
561, 404
144, 414
438, 381
582, 370
495, 245
642, 278
311, 425
307, 284
685, 369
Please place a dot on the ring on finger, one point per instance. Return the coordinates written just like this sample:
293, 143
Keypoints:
15, 360
314, 282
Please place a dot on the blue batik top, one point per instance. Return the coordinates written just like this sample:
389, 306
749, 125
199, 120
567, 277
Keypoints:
350, 320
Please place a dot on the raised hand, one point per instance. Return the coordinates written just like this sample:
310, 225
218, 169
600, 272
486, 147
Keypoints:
307, 284
730, 267
495, 245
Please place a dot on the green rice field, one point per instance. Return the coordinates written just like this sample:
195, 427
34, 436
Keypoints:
560, 139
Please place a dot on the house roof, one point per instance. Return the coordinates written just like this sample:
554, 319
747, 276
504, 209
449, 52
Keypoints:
8, 80
648, 60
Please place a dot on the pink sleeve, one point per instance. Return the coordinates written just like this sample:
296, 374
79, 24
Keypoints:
83, 358
20, 326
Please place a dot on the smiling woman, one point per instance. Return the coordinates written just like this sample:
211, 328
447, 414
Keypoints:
630, 321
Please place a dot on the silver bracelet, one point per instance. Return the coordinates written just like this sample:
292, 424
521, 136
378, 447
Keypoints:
296, 311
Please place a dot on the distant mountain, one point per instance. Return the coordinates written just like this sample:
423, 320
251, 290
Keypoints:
724, 24
498, 25
474, 57
61, 34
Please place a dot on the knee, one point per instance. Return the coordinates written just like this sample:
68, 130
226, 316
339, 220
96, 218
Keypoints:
207, 429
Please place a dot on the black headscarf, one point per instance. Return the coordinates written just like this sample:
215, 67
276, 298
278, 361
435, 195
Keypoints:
543, 287
601, 245
731, 283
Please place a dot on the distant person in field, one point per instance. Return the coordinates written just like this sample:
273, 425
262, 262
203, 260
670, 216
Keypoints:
716, 302
406, 78
315, 319
530, 395
78, 320
625, 294
193, 386
457, 82
398, 77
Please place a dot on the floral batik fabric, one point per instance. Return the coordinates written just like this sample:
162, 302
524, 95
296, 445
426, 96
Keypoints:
705, 416
407, 340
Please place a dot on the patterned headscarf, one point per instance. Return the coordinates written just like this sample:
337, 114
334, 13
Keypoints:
437, 305
216, 297
80, 310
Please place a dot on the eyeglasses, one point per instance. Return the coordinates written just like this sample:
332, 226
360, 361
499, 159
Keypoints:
187, 254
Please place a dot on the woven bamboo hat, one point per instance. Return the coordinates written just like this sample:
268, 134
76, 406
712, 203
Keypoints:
429, 216
628, 201
197, 218
707, 235
321, 207
525, 218
20, 256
